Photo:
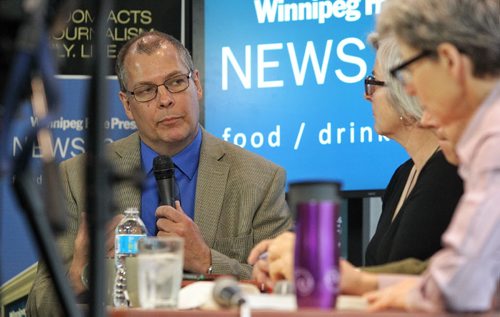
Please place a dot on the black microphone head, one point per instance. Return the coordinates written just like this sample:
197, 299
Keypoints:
227, 292
163, 167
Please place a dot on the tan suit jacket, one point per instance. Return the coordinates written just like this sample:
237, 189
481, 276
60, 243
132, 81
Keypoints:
240, 200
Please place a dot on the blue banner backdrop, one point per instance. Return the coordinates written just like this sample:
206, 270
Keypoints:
285, 79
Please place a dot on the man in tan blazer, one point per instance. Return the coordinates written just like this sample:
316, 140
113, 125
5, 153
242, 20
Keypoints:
239, 197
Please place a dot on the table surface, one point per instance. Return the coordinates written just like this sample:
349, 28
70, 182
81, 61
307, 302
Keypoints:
137, 312
349, 307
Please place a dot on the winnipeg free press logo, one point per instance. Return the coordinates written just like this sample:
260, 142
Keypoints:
278, 11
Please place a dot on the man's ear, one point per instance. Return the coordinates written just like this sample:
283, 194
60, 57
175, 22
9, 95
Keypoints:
126, 105
453, 60
197, 83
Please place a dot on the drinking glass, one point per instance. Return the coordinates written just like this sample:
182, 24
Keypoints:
160, 263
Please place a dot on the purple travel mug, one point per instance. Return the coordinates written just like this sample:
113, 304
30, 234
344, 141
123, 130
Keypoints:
317, 254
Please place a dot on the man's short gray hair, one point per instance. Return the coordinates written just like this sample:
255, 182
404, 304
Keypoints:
473, 26
148, 43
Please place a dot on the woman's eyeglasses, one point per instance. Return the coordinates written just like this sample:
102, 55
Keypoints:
371, 85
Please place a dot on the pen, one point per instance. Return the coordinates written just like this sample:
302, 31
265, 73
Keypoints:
193, 276
263, 256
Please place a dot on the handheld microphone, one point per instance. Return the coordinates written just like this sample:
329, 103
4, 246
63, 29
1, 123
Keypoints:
227, 293
163, 169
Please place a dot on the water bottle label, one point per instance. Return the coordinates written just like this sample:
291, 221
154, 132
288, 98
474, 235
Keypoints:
127, 244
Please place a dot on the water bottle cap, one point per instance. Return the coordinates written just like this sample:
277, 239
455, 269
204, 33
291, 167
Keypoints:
132, 210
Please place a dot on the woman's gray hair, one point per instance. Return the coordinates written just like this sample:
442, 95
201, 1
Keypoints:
148, 43
473, 26
388, 55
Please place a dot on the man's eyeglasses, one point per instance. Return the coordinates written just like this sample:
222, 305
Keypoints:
371, 85
174, 85
401, 73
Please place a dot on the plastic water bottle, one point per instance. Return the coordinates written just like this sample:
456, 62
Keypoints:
128, 232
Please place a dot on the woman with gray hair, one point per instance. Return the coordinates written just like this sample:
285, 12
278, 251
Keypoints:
422, 194
418, 202
451, 53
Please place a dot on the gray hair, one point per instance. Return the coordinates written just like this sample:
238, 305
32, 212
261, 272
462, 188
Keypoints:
148, 43
388, 55
473, 26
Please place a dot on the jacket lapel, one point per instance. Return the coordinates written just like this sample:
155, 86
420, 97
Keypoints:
211, 186
126, 163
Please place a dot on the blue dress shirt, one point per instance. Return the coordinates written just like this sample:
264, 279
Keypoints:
186, 175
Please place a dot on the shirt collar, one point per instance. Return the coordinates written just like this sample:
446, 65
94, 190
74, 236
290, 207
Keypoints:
147, 157
471, 135
186, 160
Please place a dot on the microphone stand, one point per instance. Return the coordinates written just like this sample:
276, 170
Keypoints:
33, 53
30, 200
97, 172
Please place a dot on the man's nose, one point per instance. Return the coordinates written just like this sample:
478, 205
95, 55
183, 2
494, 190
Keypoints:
166, 98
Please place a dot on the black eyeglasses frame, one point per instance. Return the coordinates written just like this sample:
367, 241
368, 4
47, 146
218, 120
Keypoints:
371, 81
396, 71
